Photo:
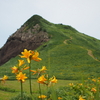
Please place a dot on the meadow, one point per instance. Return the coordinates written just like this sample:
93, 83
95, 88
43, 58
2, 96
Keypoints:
44, 85
12, 88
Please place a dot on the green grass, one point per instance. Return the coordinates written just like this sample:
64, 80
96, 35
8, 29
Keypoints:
15, 85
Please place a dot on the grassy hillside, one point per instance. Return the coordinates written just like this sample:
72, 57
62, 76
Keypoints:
68, 54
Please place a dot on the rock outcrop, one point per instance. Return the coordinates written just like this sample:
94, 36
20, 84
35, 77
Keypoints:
23, 38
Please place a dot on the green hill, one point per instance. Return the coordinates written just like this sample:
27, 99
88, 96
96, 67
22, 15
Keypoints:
68, 54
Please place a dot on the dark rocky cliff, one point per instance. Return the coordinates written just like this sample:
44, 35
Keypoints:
21, 39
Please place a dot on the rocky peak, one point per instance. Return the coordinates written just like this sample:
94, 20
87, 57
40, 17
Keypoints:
25, 37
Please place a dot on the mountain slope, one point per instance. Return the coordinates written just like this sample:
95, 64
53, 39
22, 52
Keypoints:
28, 36
67, 53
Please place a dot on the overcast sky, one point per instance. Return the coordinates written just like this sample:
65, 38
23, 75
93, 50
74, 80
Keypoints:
83, 15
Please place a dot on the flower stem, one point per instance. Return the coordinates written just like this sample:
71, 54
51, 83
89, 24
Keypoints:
30, 78
21, 90
40, 90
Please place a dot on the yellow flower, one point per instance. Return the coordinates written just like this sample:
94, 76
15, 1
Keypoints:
26, 68
21, 62
35, 57
59, 98
42, 96
80, 98
30, 55
81, 84
94, 80
53, 80
98, 77
43, 68
34, 71
4, 78
71, 84
14, 69
93, 90
21, 77
42, 79
39, 71
26, 54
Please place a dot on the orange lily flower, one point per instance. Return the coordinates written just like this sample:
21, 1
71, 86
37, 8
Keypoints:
35, 57
80, 98
53, 80
4, 78
21, 62
43, 68
42, 96
26, 54
42, 79
14, 69
21, 77
34, 71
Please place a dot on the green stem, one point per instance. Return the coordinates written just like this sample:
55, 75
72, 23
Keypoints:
30, 78
21, 90
39, 86
40, 90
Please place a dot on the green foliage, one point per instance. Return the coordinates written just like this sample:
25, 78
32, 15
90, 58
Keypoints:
88, 89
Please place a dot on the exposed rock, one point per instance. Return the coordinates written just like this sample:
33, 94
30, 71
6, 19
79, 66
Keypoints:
21, 39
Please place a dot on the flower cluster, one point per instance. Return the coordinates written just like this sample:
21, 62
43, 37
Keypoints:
18, 70
30, 55
88, 90
43, 80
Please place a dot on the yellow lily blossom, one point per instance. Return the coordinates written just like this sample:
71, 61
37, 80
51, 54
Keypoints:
93, 90
26, 68
34, 71
30, 55
42, 79
21, 77
53, 80
43, 68
39, 71
14, 69
59, 98
4, 78
42, 96
35, 57
71, 84
80, 98
21, 62
94, 80
26, 54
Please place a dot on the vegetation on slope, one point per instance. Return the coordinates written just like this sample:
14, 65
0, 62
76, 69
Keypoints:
66, 54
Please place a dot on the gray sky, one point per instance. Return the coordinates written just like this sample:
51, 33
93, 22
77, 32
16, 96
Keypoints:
83, 15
